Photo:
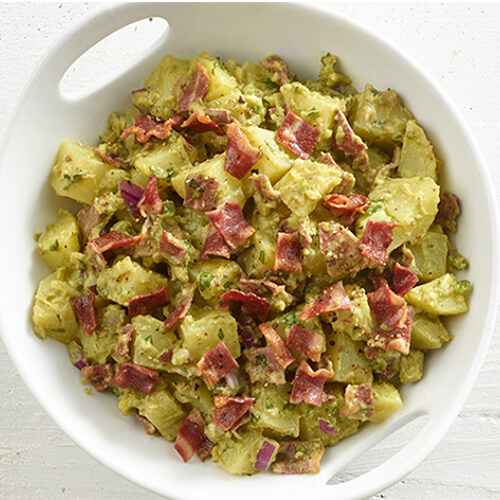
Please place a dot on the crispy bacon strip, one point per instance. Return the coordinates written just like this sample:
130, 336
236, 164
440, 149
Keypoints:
200, 122
305, 341
250, 303
218, 115
288, 255
448, 211
113, 240
308, 384
231, 224
84, 309
172, 247
87, 219
116, 162
241, 156
99, 375
215, 245
132, 376
276, 64
144, 304
344, 139
150, 202
358, 402
231, 412
201, 192
216, 363
283, 355
403, 280
334, 298
263, 366
296, 135
376, 239
131, 195
180, 310
191, 435
146, 126
194, 86
346, 207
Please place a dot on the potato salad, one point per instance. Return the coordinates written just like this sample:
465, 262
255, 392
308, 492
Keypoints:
258, 261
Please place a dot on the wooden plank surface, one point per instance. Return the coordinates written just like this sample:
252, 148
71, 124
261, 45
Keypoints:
459, 44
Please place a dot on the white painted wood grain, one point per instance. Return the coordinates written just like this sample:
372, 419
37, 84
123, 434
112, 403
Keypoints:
459, 44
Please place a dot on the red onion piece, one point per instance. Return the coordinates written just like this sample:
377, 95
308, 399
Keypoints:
93, 289
76, 355
247, 336
326, 428
232, 380
131, 195
264, 456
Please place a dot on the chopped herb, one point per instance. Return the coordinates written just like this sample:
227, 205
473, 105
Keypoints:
270, 84
195, 186
255, 419
169, 207
374, 92
149, 339
204, 281
268, 405
57, 330
170, 173
289, 406
375, 207
313, 113
54, 247
457, 261
228, 285
72, 180
220, 334
379, 123
262, 256
291, 319
464, 286
117, 392
261, 359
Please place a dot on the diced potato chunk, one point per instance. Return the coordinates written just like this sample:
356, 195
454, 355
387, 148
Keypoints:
428, 333
60, 240
78, 172
221, 82
305, 184
411, 367
440, 296
164, 77
215, 276
431, 254
417, 155
386, 401
203, 328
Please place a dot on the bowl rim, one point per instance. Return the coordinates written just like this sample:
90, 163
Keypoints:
445, 420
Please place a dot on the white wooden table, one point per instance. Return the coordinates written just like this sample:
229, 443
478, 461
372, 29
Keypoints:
460, 46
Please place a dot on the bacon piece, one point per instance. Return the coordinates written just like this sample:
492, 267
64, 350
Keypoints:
265, 188
132, 376
146, 126
99, 375
231, 224
395, 339
283, 355
299, 457
267, 288
194, 86
241, 156
201, 192
376, 239
250, 303
305, 341
150, 202
346, 207
205, 448
112, 240
358, 402
216, 363
131, 195
172, 247
87, 219
200, 122
215, 245
288, 253
143, 304
84, 309
263, 366
116, 162
180, 310
231, 412
308, 384
149, 428
340, 249
403, 280
448, 211
190, 435
344, 139
123, 347
276, 64
218, 115
296, 135
334, 298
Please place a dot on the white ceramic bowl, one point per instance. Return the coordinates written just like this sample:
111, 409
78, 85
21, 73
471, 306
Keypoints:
300, 35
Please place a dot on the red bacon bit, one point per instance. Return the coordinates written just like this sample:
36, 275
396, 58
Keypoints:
112, 240
143, 304
231, 224
403, 280
334, 298
190, 435
201, 192
349, 142
299, 457
448, 211
215, 245
132, 376
241, 156
218, 115
296, 135
268, 353
283, 355
346, 207
179, 311
99, 375
131, 195
276, 64
87, 219
305, 341
288, 253
123, 348
308, 384
231, 412
84, 309
376, 239
205, 448
194, 87
358, 402
200, 122
151, 202
170, 247
263, 366
116, 162
216, 363
250, 303
397, 339
146, 126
